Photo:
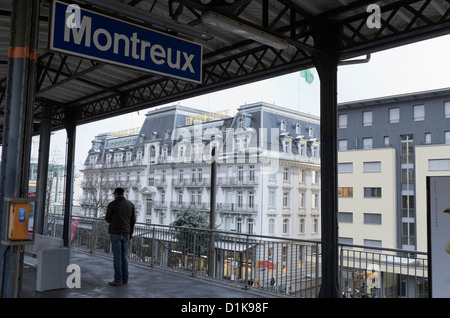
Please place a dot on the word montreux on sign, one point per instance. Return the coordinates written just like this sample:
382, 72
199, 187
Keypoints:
92, 35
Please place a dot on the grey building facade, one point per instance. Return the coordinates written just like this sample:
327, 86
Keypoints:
402, 122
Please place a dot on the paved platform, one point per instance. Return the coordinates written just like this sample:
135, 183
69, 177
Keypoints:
144, 282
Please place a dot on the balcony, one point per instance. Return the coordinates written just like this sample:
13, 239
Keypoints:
236, 181
236, 208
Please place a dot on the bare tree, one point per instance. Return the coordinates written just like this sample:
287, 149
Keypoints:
97, 191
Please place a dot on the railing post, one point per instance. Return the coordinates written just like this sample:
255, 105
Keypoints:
246, 262
193, 254
151, 246
93, 234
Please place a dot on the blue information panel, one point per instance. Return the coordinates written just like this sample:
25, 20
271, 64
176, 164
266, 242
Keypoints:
85, 33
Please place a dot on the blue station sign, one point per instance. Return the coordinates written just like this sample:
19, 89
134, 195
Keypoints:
89, 34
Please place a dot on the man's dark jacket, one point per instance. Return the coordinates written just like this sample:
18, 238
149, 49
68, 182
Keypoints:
121, 216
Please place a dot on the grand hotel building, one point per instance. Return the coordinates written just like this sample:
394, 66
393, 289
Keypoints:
268, 168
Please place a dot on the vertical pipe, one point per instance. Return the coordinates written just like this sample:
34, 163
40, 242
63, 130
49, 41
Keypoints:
70, 158
326, 40
212, 214
42, 175
17, 132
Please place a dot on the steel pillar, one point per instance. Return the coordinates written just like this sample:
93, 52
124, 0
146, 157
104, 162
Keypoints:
42, 174
70, 125
212, 214
326, 40
17, 133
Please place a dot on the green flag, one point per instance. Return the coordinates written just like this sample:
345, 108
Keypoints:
307, 75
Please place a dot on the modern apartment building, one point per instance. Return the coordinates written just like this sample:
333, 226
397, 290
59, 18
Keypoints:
387, 148
268, 168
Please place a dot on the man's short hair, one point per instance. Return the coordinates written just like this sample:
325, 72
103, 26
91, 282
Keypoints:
119, 191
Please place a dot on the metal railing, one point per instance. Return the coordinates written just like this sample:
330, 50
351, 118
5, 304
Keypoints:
283, 266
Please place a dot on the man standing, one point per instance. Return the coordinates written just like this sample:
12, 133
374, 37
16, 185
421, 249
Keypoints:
121, 217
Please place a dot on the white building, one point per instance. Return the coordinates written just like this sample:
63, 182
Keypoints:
268, 168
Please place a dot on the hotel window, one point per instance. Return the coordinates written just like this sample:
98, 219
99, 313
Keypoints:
283, 125
285, 226
285, 199
345, 167
419, 112
163, 176
367, 143
240, 173
315, 177
447, 137
272, 200
180, 198
372, 218
271, 226
240, 198
180, 175
251, 199
447, 109
315, 225
428, 138
239, 225
342, 145
367, 118
251, 225
316, 152
372, 192
345, 217
302, 226
394, 115
302, 175
302, 149
345, 192
315, 200
287, 147
386, 140
199, 197
297, 128
302, 199
152, 151
285, 174
372, 166
342, 121
200, 174
192, 198
251, 172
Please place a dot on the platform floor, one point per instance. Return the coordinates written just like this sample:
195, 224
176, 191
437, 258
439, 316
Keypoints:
144, 282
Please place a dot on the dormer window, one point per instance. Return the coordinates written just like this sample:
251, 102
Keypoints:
241, 123
283, 125
297, 128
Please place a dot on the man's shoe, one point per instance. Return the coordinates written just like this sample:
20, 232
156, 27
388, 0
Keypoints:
113, 283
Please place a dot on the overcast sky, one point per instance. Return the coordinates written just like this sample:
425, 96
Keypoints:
412, 68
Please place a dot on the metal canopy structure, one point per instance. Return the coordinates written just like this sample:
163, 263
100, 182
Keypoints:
243, 41
92, 90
